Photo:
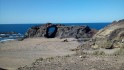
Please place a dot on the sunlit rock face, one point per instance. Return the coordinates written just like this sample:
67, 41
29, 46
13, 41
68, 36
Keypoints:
50, 30
111, 36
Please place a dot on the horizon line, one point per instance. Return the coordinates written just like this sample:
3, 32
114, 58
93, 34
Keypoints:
56, 23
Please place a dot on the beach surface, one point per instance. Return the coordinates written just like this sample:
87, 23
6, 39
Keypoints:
14, 54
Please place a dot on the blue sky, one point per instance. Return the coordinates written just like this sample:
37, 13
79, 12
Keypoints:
60, 11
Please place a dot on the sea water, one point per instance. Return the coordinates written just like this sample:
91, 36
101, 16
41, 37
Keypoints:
22, 28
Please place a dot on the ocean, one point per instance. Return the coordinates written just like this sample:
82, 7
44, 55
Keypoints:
22, 28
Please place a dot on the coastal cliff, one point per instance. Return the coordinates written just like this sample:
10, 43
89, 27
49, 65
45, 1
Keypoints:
60, 31
111, 36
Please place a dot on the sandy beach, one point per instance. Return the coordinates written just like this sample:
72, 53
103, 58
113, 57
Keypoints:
14, 54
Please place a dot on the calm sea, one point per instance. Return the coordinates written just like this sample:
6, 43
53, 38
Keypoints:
22, 28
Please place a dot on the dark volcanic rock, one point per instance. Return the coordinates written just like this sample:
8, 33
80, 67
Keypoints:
74, 31
60, 31
40, 31
8, 32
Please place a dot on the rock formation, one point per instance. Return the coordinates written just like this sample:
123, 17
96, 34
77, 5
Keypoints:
60, 31
109, 37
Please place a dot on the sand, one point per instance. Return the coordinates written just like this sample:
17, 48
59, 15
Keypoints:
14, 54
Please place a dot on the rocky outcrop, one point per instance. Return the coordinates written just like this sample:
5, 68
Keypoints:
8, 32
111, 36
60, 31
42, 30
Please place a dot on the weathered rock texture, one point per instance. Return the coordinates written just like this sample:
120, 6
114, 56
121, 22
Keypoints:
61, 31
111, 36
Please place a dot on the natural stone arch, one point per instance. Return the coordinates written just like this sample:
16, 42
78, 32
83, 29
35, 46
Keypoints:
51, 31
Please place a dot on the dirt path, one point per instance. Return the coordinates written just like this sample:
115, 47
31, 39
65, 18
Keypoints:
14, 54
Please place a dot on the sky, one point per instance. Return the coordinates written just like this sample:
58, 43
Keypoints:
60, 11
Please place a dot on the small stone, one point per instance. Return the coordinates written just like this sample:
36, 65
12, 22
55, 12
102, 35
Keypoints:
80, 56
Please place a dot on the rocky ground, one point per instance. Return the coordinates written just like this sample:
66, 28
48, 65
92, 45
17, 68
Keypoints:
14, 54
56, 54
78, 62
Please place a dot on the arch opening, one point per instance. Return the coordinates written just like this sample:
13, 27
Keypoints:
51, 31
